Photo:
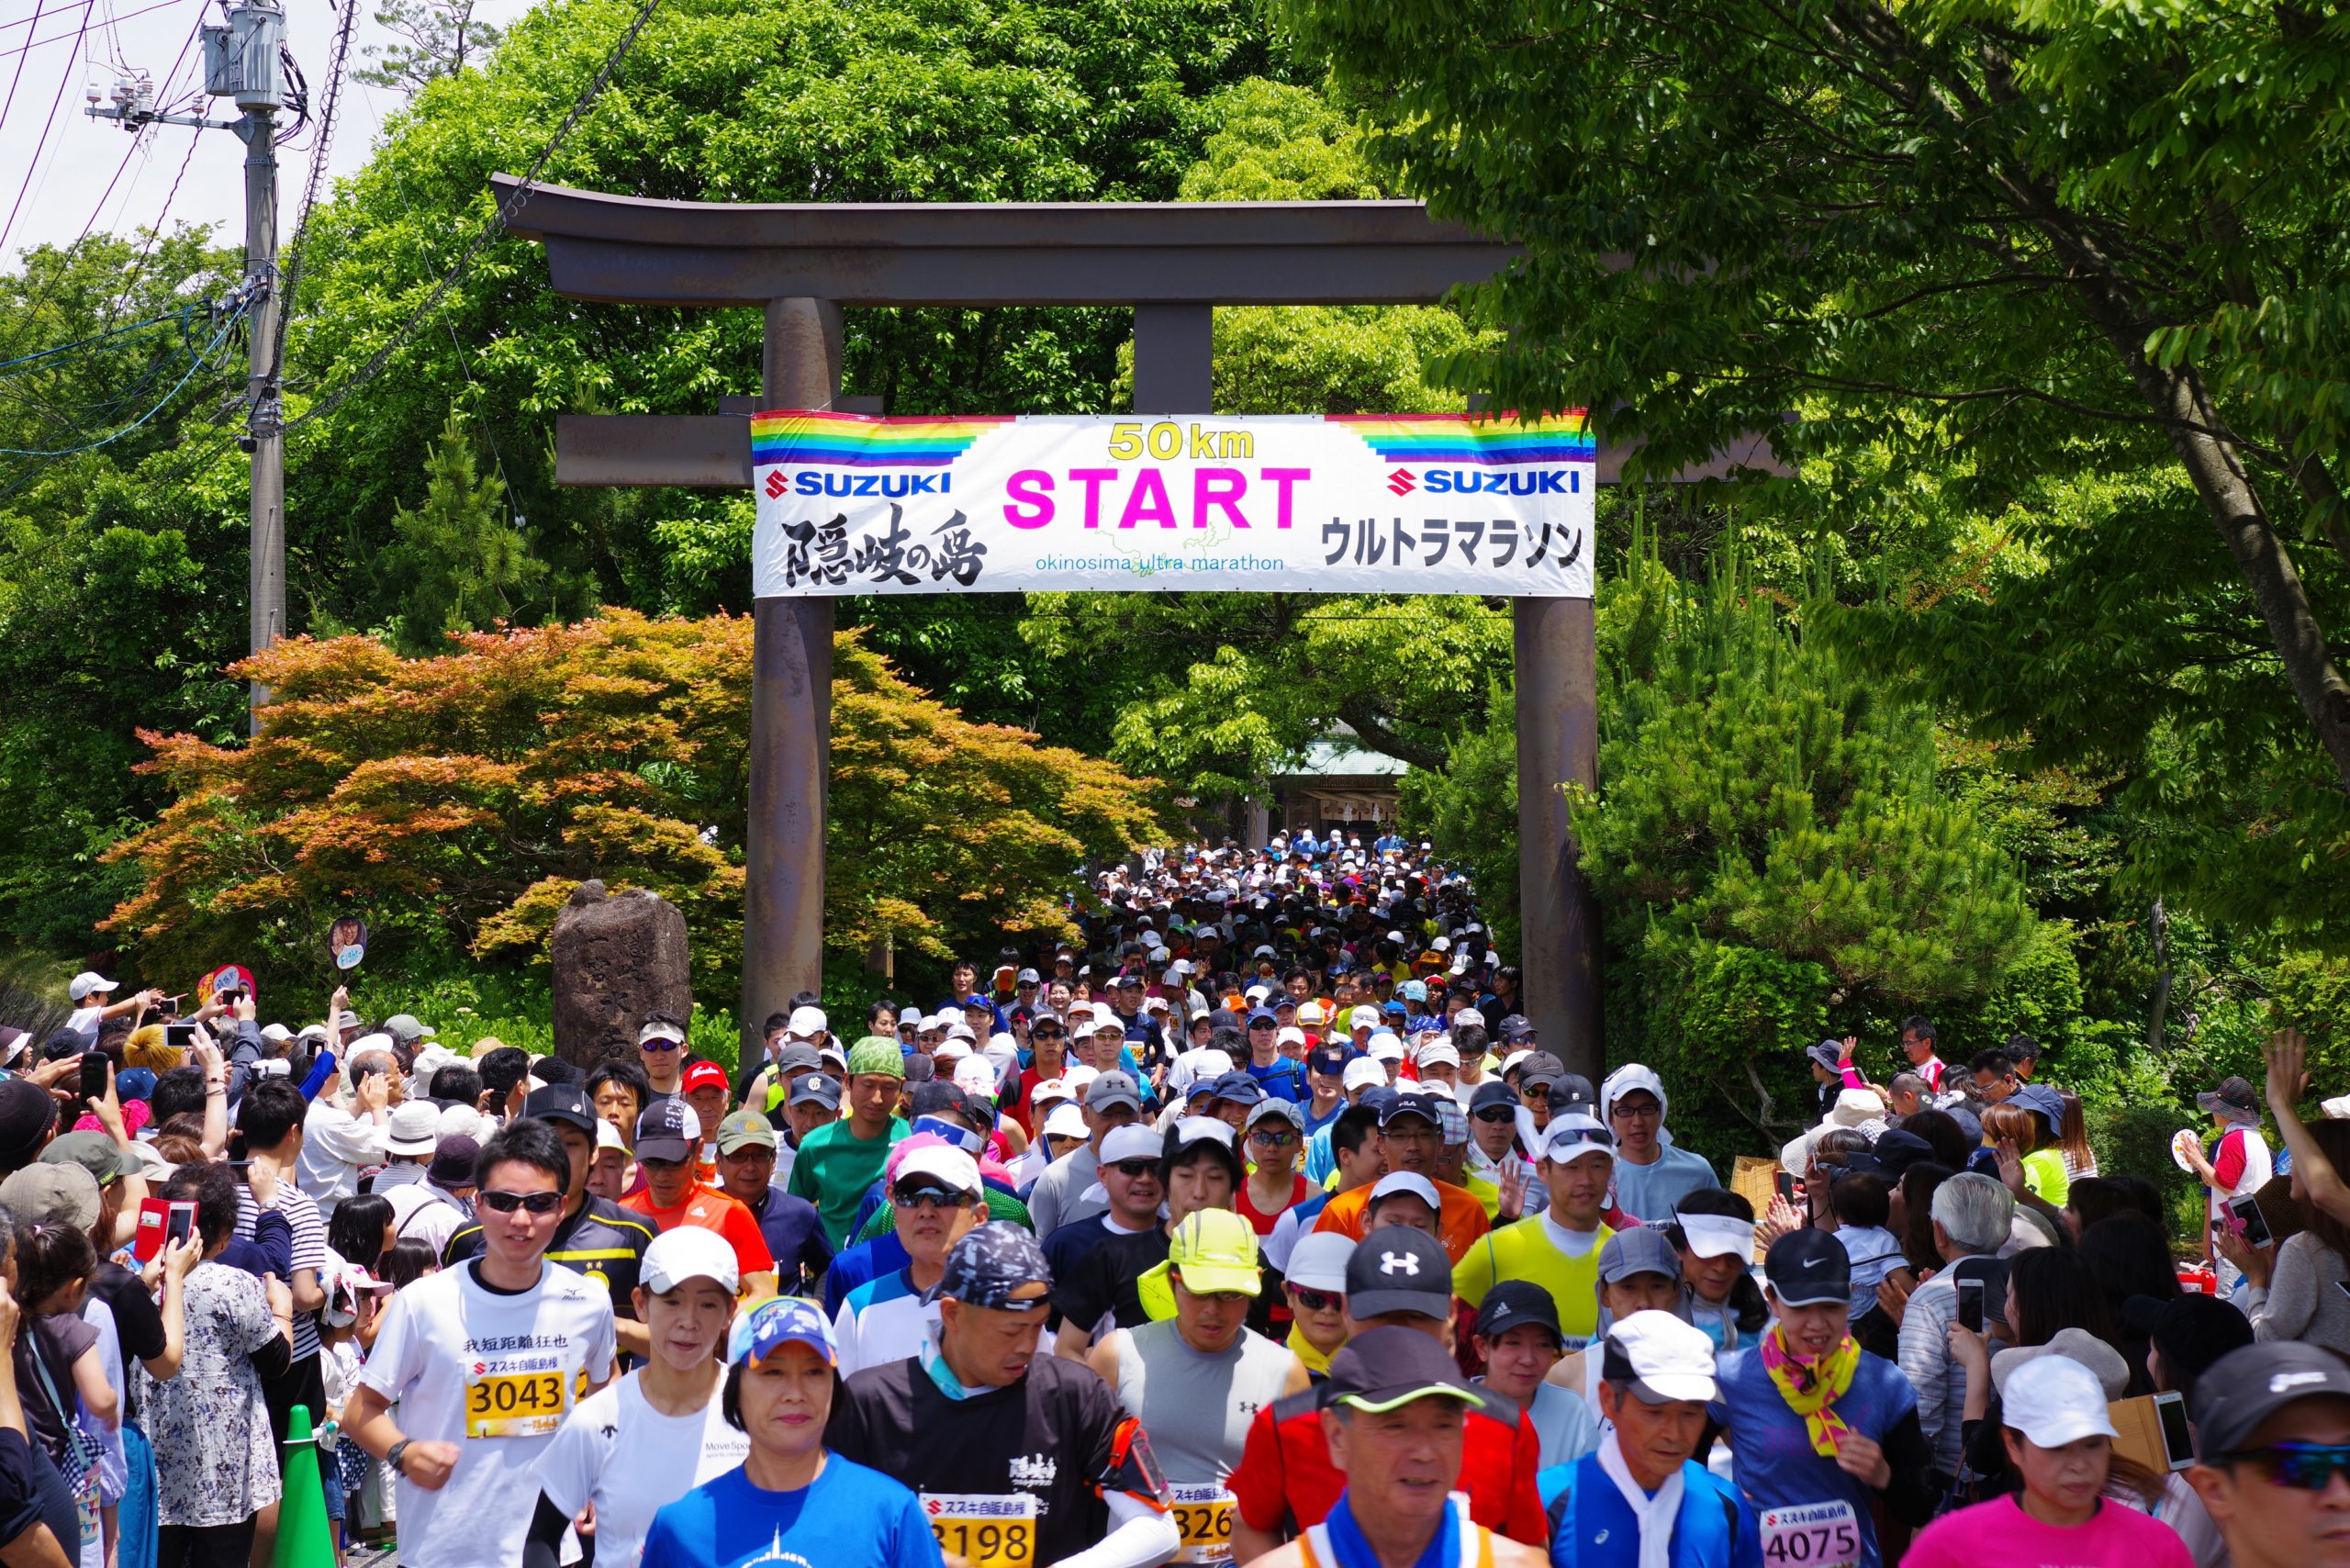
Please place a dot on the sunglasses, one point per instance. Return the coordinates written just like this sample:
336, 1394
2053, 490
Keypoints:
1318, 1301
1131, 1169
912, 1198
503, 1202
659, 1044
2305, 1467
1496, 1113
1274, 1138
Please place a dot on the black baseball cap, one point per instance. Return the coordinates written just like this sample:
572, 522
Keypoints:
1538, 1069
668, 1130
1808, 1266
1490, 1094
1420, 1105
1514, 1302
1385, 1368
1399, 1269
2244, 1387
1515, 1027
1891, 1156
816, 1089
1571, 1090
561, 1102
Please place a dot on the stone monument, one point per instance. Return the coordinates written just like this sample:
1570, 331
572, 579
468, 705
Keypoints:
616, 956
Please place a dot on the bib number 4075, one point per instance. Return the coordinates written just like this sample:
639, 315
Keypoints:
1814, 1535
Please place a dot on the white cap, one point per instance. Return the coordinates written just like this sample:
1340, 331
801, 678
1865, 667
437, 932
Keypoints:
1079, 1076
1441, 944
1064, 1120
806, 1023
1410, 1182
1318, 1261
1669, 1359
1717, 1235
1156, 1004
2337, 1108
1211, 1064
954, 1047
944, 1163
414, 1128
1514, 1058
1363, 1018
1289, 1035
1132, 1141
1570, 1137
2055, 1400
690, 1253
1439, 1053
1362, 1072
657, 1030
1384, 1046
276, 1034
607, 1136
1468, 1015
458, 1120
1624, 1080
975, 1074
88, 982
1051, 1091
1264, 950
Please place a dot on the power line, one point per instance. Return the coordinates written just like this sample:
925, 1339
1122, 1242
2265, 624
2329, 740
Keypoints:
513, 202
195, 363
39, 43
19, 76
62, 78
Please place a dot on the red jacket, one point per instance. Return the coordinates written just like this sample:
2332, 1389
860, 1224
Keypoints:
1285, 1481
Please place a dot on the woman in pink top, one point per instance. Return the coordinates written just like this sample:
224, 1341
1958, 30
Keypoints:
2060, 1441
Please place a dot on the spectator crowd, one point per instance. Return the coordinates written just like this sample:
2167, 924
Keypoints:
1257, 1223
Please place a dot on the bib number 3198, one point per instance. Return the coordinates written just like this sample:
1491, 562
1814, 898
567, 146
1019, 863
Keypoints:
1814, 1535
986, 1529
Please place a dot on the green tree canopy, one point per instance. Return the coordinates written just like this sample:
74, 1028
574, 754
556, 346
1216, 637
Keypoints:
2018, 242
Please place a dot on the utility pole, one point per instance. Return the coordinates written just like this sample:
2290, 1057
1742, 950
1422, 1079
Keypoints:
240, 61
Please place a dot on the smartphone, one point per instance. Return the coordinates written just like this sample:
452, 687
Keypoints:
180, 1224
2178, 1444
93, 1076
179, 1037
1786, 1185
2246, 1208
1970, 1305
167, 1007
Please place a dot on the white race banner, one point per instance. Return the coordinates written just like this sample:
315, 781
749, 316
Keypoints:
1311, 503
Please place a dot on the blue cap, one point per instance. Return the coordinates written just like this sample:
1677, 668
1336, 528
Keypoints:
1262, 1015
1239, 1088
781, 1320
993, 1262
1379, 1097
135, 1083
1395, 1007
1329, 1061
1415, 991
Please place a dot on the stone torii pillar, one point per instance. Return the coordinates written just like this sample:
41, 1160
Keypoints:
1173, 263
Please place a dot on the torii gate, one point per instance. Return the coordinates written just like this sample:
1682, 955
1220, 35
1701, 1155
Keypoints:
1173, 263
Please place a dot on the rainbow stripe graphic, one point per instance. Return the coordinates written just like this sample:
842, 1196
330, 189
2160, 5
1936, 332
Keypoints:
1473, 437
867, 441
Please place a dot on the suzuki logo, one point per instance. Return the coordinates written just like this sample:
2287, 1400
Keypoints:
1401, 483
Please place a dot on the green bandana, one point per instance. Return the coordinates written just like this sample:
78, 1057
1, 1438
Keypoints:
876, 1053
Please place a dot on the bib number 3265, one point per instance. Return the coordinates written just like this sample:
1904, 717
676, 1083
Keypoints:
1813, 1535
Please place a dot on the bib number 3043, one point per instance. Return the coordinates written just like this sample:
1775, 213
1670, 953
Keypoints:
986, 1529
514, 1404
1814, 1535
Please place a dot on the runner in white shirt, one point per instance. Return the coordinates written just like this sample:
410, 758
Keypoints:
485, 1360
641, 1443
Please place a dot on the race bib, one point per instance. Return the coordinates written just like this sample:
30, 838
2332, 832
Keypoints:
515, 1396
1814, 1535
1202, 1515
989, 1530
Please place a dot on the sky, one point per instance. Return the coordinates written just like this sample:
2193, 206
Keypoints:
79, 178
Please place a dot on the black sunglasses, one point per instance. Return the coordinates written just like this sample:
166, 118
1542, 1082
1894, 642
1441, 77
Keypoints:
503, 1202
1317, 1300
2305, 1467
1130, 1169
1496, 1113
1049, 1033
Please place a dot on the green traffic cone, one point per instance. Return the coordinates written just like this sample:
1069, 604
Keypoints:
305, 1538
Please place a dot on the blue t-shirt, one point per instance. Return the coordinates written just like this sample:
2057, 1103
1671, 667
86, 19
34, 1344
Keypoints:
1647, 1192
1771, 1453
1282, 1080
849, 1517
1593, 1527
796, 1239
866, 1260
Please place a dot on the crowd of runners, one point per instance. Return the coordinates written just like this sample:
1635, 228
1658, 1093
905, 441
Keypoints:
1255, 1224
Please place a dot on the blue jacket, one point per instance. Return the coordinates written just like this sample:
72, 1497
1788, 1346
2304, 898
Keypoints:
1591, 1527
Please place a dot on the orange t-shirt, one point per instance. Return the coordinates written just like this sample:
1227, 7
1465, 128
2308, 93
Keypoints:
1462, 1220
715, 1211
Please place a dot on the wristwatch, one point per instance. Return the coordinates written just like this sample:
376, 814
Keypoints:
397, 1452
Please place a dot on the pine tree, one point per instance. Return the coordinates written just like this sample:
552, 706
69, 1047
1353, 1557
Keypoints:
467, 568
